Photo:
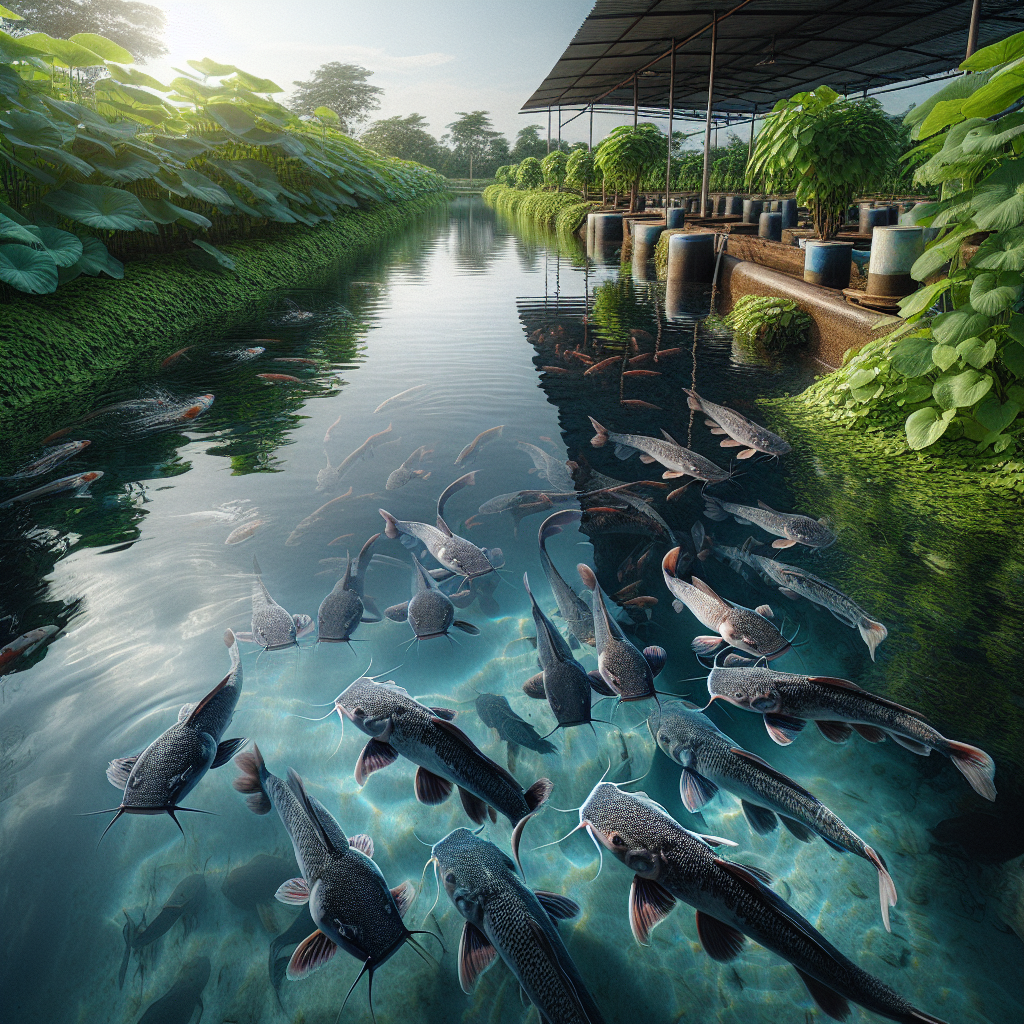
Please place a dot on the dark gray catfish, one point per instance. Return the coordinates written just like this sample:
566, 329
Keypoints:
547, 467
789, 528
179, 1002
430, 611
158, 779
254, 883
342, 609
349, 900
711, 761
504, 918
497, 714
746, 629
405, 472
398, 725
629, 672
732, 901
743, 433
788, 701
272, 627
562, 680
578, 616
456, 553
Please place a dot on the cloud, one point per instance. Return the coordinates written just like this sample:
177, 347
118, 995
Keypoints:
380, 60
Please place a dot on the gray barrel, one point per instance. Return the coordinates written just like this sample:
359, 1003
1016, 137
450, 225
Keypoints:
872, 217
752, 210
734, 206
828, 263
769, 225
788, 209
894, 249
645, 238
607, 228
675, 218
591, 218
691, 258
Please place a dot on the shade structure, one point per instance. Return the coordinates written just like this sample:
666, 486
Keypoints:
766, 49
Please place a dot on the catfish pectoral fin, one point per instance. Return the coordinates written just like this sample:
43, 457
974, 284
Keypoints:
534, 687
721, 941
695, 790
430, 788
310, 955
649, 905
227, 749
476, 954
473, 805
375, 755
828, 1000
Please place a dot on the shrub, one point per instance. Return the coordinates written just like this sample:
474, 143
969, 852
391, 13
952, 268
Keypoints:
529, 174
580, 171
774, 323
625, 155
553, 166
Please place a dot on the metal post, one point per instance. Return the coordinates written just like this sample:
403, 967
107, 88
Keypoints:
972, 32
636, 97
750, 145
706, 179
559, 129
671, 111
549, 129
590, 143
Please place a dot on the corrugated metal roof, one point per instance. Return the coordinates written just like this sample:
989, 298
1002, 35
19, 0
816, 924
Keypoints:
767, 49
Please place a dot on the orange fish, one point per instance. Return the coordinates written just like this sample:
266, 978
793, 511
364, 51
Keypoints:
602, 366
640, 602
641, 373
644, 357
174, 357
665, 353
636, 403
55, 435
279, 377
555, 369
338, 540
294, 359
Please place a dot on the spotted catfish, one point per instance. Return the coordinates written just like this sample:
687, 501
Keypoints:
789, 528
504, 918
746, 629
838, 707
344, 607
742, 433
158, 779
272, 627
733, 901
712, 761
573, 609
398, 725
430, 611
547, 467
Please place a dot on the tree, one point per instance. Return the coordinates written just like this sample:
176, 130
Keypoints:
529, 143
553, 166
625, 155
343, 88
580, 171
530, 174
472, 135
825, 149
138, 27
404, 137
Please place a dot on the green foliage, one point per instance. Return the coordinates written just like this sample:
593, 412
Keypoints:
342, 88
562, 211
728, 167
473, 136
139, 167
529, 143
581, 171
553, 166
627, 154
406, 138
529, 174
774, 323
826, 149
506, 175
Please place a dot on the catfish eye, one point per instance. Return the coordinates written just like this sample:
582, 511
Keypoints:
449, 879
738, 694
358, 712
617, 840
399, 711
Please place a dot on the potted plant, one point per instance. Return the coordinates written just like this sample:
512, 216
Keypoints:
624, 156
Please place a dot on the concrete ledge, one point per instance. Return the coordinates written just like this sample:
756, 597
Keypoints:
836, 325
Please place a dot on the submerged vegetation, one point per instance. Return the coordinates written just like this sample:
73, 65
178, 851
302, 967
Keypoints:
772, 322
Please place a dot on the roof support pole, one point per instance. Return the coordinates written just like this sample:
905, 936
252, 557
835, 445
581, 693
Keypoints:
671, 111
750, 144
590, 143
706, 178
559, 129
549, 129
972, 32
636, 97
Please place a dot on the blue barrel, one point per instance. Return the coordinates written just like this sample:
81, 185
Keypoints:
828, 264
788, 209
734, 206
894, 250
691, 258
872, 217
645, 238
675, 218
752, 210
769, 225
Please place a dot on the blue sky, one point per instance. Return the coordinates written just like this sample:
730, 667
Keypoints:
433, 59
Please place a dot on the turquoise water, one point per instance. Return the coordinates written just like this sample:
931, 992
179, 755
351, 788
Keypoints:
143, 584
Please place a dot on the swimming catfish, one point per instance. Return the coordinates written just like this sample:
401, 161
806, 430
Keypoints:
626, 670
343, 608
547, 467
742, 433
744, 628
497, 714
158, 779
670, 863
398, 725
77, 482
328, 477
405, 472
837, 706
790, 529
429, 611
712, 761
472, 449
272, 627
50, 459
349, 900
179, 1002
578, 616
504, 918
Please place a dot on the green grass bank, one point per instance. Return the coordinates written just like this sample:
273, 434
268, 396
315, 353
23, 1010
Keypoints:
59, 346
563, 212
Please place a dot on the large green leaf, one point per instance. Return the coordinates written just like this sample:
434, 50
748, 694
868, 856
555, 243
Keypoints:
64, 248
132, 76
923, 298
96, 260
999, 197
233, 119
913, 357
9, 15
1002, 90
215, 259
995, 415
105, 48
989, 138
183, 149
63, 158
1002, 251
197, 92
29, 129
126, 166
198, 186
1002, 52
32, 170
953, 93
64, 52
13, 50
959, 325
924, 427
977, 352
961, 390
252, 83
207, 67
991, 293
163, 212
13, 231
99, 206
28, 270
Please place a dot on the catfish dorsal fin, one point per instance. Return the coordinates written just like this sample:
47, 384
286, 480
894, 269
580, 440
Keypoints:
310, 806
766, 507
696, 581
773, 772
444, 527
845, 684
206, 700
669, 437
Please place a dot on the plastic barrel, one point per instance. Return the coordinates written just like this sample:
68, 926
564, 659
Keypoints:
872, 217
894, 249
734, 206
788, 208
828, 263
645, 238
769, 225
691, 258
752, 210
607, 228
675, 218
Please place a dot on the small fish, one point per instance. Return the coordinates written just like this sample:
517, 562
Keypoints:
297, 360
401, 476
340, 538
790, 529
602, 519
430, 612
573, 609
330, 429
743, 628
547, 467
344, 607
671, 863
624, 493
398, 725
644, 601
636, 403
180, 1001
557, 370
24, 645
174, 357
629, 672
742, 433
400, 397
349, 900
277, 963
472, 449
667, 353
677, 460
244, 532
605, 364
158, 779
642, 337
312, 519
77, 482
182, 905
279, 378
642, 373
788, 701
181, 412
497, 714
272, 627
503, 917
63, 432
329, 477
246, 355
48, 460
712, 761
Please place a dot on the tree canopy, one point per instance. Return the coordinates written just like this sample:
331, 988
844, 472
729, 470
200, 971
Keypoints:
342, 87
406, 138
473, 136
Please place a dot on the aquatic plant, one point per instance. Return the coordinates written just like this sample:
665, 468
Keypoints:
958, 373
553, 166
529, 174
774, 323
581, 171
626, 154
824, 148
560, 210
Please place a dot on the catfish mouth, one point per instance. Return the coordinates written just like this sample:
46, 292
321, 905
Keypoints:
431, 636
281, 647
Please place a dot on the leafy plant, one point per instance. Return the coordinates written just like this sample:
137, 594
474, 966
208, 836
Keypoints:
343, 88
529, 174
553, 166
774, 323
825, 149
627, 154
581, 171
506, 175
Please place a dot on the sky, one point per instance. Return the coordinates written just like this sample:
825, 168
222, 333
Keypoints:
432, 59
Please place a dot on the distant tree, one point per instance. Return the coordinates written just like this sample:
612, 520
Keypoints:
498, 151
627, 154
553, 166
342, 87
580, 171
406, 138
472, 136
529, 143
138, 27
530, 174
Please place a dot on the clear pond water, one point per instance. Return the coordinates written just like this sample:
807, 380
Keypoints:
141, 580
